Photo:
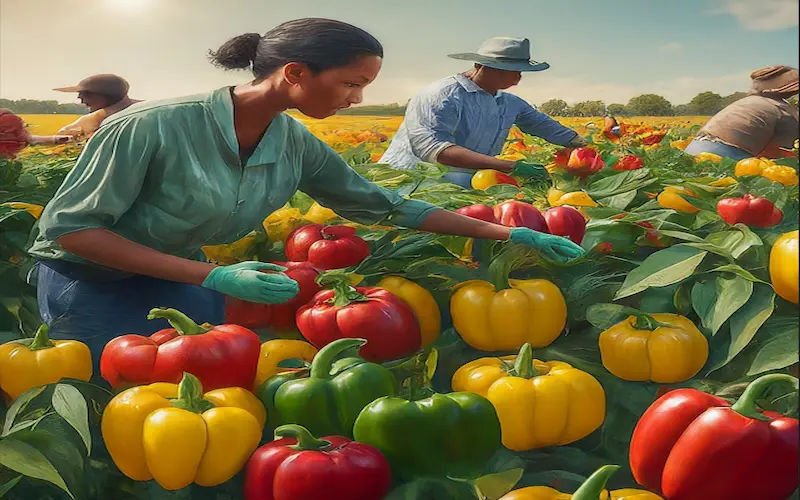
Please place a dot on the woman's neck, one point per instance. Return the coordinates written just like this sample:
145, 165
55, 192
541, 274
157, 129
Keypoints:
257, 103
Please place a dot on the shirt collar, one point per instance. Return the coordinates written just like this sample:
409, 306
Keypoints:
472, 87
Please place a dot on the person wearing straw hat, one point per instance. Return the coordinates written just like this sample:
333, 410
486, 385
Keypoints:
104, 95
757, 125
462, 121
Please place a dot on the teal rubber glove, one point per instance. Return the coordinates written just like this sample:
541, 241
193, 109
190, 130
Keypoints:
528, 170
246, 281
553, 247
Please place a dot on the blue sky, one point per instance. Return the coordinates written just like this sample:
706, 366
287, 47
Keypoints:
609, 50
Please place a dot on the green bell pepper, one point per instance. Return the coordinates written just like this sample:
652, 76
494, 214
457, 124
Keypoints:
328, 404
445, 434
266, 393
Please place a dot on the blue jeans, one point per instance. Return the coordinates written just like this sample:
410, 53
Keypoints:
462, 179
79, 306
699, 146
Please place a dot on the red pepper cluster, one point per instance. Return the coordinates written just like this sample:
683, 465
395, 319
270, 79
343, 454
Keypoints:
756, 212
13, 135
561, 221
628, 162
584, 162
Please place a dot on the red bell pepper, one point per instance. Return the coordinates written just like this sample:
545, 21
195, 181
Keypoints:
13, 135
628, 162
220, 356
518, 214
583, 162
279, 317
756, 212
567, 222
690, 445
326, 247
298, 466
478, 211
385, 320
561, 158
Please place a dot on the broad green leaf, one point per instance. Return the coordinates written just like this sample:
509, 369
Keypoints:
662, 268
620, 183
9, 485
739, 271
27, 460
683, 299
494, 486
731, 293
681, 235
776, 347
17, 406
737, 240
620, 201
71, 405
746, 321
604, 316
704, 297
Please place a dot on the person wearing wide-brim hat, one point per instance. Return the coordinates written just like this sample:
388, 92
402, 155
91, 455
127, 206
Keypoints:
757, 125
104, 95
462, 121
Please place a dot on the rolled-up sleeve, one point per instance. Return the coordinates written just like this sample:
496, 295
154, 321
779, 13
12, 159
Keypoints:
431, 121
538, 124
105, 182
331, 181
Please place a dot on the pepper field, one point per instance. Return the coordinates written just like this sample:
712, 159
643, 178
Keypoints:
679, 299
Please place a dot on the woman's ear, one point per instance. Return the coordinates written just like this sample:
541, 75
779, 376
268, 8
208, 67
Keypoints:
294, 72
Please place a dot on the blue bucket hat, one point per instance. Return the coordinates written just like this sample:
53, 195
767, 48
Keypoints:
510, 54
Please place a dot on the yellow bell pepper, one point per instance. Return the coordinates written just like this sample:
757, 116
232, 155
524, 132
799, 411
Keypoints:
280, 223
29, 363
34, 210
557, 198
680, 144
664, 348
319, 214
751, 166
538, 403
276, 350
781, 173
587, 491
724, 182
670, 197
422, 303
238, 251
707, 157
191, 439
525, 311
783, 266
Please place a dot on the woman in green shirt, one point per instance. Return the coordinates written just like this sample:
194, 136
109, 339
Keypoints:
163, 178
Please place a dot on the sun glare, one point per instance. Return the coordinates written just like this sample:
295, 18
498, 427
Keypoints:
129, 6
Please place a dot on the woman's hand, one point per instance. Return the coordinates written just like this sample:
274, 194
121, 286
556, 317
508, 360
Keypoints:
247, 281
555, 248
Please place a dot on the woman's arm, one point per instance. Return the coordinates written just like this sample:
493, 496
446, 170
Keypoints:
457, 156
49, 139
446, 222
109, 249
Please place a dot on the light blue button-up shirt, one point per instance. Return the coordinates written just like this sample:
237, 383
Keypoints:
456, 111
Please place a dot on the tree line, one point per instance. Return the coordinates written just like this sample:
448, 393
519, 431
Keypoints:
36, 107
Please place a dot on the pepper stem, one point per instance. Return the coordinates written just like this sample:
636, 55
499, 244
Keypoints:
322, 362
523, 365
746, 404
41, 340
593, 487
305, 440
509, 259
182, 323
190, 395
343, 291
647, 322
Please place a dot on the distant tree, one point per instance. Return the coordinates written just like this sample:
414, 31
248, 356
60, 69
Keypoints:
36, 107
375, 110
588, 108
706, 103
618, 110
650, 105
729, 99
554, 107
683, 110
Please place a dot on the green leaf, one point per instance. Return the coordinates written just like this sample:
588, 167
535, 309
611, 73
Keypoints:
746, 321
777, 346
739, 271
619, 201
731, 293
17, 406
494, 486
620, 183
71, 405
27, 460
662, 268
683, 299
9, 485
604, 316
703, 297
737, 240
430, 364
680, 235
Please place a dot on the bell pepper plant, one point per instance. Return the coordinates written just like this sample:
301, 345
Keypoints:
538, 403
514, 213
783, 266
484, 179
178, 436
345, 311
298, 466
591, 489
29, 363
672, 197
567, 222
326, 404
425, 308
220, 356
279, 317
326, 247
628, 162
478, 211
274, 351
690, 445
663, 347
584, 162
756, 212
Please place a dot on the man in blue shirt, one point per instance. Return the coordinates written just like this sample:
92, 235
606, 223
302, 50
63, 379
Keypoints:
462, 121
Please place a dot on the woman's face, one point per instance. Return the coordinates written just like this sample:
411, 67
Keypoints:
323, 94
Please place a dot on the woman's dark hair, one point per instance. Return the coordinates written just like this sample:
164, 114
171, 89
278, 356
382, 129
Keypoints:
318, 43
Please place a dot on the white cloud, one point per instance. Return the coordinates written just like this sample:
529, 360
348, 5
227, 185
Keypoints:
761, 15
671, 48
